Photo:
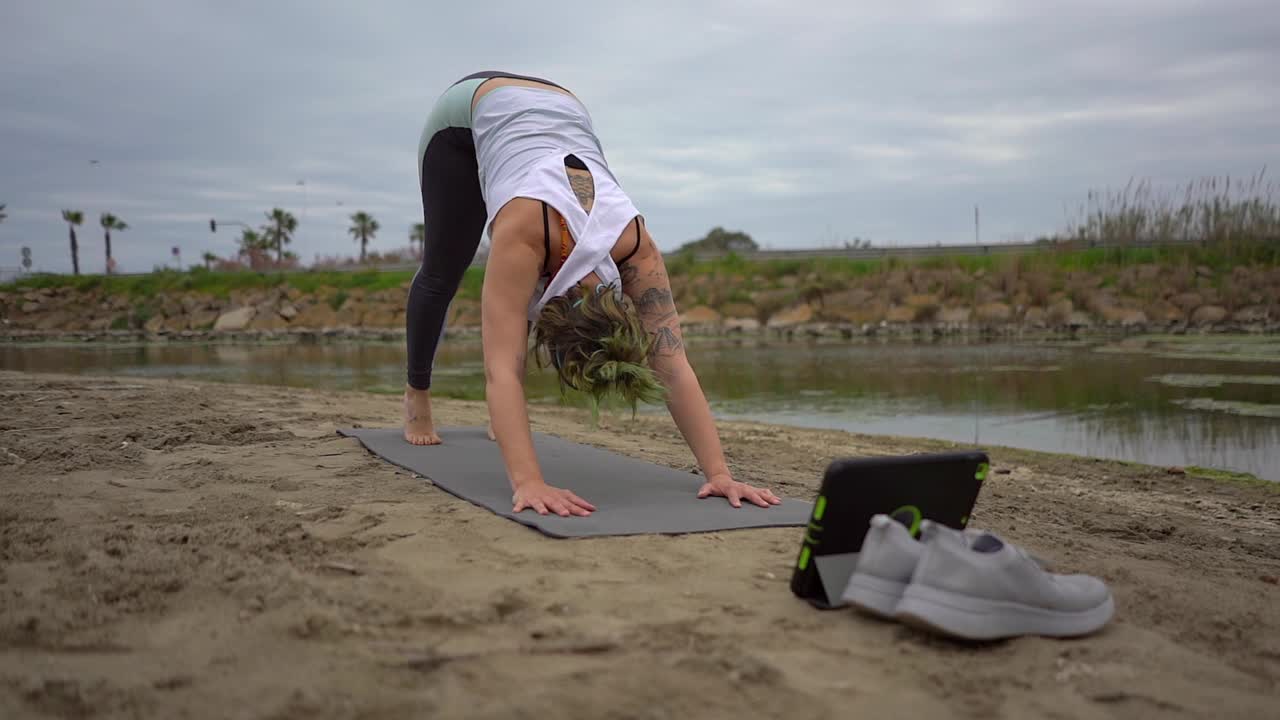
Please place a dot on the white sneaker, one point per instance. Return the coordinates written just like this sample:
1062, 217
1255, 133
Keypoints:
886, 562
984, 588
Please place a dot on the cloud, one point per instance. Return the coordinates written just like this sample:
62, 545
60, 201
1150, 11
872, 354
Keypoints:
800, 125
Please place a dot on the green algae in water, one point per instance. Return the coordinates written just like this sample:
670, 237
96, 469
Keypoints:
1191, 380
1233, 407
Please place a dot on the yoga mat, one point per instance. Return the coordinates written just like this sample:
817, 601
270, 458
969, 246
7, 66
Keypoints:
632, 497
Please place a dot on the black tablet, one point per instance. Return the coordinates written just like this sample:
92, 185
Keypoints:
941, 487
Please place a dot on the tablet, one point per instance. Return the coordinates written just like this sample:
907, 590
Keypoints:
941, 487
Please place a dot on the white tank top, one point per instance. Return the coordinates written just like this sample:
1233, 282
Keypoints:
522, 137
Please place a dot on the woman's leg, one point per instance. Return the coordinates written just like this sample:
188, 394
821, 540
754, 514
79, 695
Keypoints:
454, 214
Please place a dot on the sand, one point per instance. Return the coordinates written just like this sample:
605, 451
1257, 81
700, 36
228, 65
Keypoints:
179, 550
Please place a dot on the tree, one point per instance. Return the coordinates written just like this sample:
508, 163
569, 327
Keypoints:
719, 240
73, 219
209, 258
363, 228
278, 231
418, 238
111, 222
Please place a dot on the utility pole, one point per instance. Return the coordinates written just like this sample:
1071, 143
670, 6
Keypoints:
976, 236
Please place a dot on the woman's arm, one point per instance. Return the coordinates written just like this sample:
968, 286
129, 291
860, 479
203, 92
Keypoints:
510, 278
645, 281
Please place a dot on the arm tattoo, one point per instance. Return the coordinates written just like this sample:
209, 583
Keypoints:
628, 273
584, 187
655, 302
666, 342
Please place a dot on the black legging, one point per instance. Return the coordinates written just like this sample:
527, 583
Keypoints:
454, 215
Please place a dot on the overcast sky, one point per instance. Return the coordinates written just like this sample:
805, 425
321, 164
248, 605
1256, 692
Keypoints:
804, 124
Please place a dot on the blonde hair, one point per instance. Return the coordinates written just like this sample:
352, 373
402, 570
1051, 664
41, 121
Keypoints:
598, 346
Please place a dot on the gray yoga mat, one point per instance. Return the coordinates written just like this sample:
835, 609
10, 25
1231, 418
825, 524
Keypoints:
632, 497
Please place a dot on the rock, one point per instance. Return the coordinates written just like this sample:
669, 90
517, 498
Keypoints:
1187, 301
1208, 315
202, 319
954, 315
391, 316
1252, 314
994, 313
1204, 271
154, 324
900, 314
1059, 313
288, 311
233, 320
737, 310
742, 324
30, 307
56, 320
700, 315
794, 315
1036, 317
466, 313
920, 300
854, 298
1078, 319
1132, 318
1164, 312
176, 324
316, 317
268, 321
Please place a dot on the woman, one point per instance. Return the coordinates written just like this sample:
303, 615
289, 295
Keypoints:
569, 255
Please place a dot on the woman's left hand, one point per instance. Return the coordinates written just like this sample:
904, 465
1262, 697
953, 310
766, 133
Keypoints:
735, 492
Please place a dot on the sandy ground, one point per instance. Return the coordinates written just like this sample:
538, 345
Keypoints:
173, 550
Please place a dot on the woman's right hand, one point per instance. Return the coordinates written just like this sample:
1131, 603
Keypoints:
544, 499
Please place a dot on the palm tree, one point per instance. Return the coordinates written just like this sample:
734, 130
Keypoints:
363, 228
418, 237
278, 231
111, 222
74, 218
208, 258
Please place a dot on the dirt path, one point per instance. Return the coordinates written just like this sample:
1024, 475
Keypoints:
171, 549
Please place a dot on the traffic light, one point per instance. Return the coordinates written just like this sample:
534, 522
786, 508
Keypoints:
213, 225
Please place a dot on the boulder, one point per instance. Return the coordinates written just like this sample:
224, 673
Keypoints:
700, 315
202, 319
900, 314
1079, 319
56, 320
1036, 317
1059, 313
1252, 314
316, 317
268, 321
742, 324
154, 324
794, 315
176, 324
1187, 301
233, 320
994, 313
737, 310
1208, 315
288, 311
954, 315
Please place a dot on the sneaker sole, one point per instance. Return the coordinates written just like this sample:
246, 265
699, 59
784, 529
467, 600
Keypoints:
874, 595
971, 618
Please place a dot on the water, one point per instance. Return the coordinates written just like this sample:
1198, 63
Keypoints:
1161, 409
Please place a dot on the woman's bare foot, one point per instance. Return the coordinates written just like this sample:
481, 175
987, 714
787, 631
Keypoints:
418, 428
491, 435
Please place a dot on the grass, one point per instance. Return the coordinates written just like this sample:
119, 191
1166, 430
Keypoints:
1231, 476
1215, 223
